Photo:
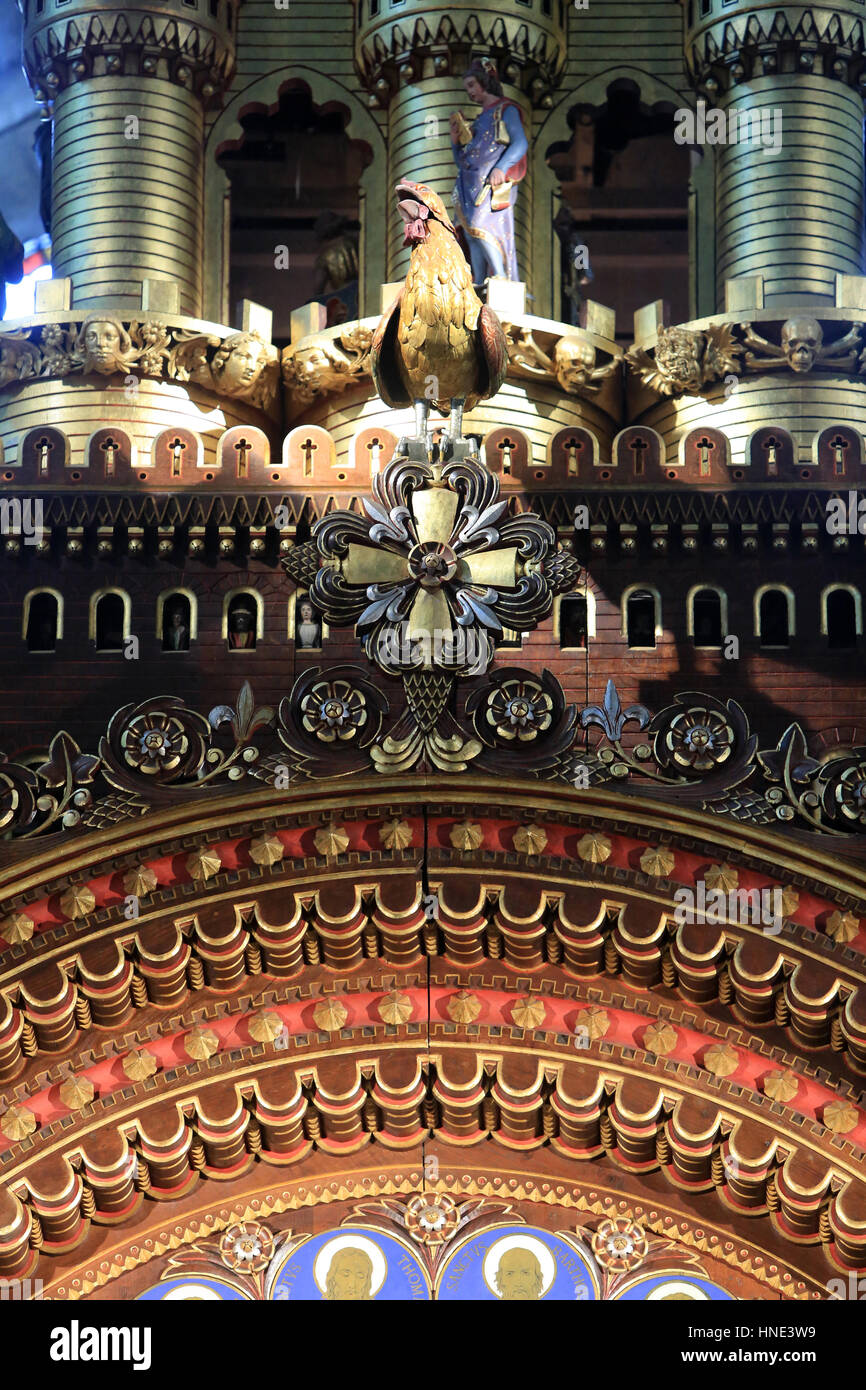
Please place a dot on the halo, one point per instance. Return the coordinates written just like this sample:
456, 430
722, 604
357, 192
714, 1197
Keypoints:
526, 1242
193, 1291
322, 1262
674, 1286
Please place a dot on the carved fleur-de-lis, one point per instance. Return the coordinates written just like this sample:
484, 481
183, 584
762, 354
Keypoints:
611, 717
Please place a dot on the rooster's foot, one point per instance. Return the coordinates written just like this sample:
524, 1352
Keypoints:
416, 450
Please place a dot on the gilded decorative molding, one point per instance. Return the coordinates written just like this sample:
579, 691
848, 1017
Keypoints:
241, 366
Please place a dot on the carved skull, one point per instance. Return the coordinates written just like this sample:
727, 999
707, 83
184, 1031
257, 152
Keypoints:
573, 362
802, 340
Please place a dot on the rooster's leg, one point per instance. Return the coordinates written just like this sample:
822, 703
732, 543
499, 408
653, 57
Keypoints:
422, 412
420, 446
454, 433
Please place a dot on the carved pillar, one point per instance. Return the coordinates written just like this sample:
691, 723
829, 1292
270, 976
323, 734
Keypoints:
129, 85
795, 215
412, 64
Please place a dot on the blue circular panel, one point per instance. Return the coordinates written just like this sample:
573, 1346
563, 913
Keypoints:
673, 1287
351, 1265
517, 1264
197, 1288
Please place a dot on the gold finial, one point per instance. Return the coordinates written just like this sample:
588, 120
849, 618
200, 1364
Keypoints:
396, 834
203, 863
267, 850
721, 1059
138, 1066
77, 901
395, 1007
657, 862
530, 839
466, 836
201, 1043
17, 1123
463, 1007
17, 928
140, 881
529, 1012
330, 1014
331, 841
594, 847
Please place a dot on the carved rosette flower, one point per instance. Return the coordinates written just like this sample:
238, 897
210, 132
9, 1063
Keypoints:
246, 1247
524, 713
160, 739
334, 710
697, 735
431, 1218
519, 710
435, 570
620, 1245
18, 791
843, 783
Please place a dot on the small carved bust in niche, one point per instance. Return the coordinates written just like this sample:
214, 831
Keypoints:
308, 629
241, 625
245, 366
175, 626
105, 345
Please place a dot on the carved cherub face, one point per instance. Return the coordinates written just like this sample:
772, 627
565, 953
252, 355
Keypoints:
573, 360
802, 340
678, 357
107, 345
308, 362
240, 362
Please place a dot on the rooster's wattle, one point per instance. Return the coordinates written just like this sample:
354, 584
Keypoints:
438, 344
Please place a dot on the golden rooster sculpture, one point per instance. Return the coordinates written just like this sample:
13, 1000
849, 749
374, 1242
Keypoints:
438, 344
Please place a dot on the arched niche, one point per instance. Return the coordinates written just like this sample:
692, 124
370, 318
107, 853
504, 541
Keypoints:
110, 455
582, 105
327, 94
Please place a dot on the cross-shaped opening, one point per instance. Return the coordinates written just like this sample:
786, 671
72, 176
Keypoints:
704, 447
177, 447
505, 447
771, 447
109, 448
308, 448
43, 449
242, 449
638, 446
839, 445
374, 449
574, 447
